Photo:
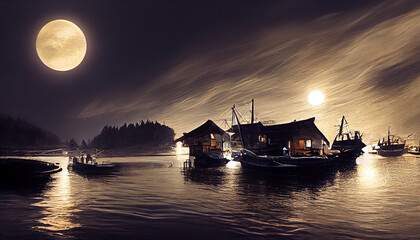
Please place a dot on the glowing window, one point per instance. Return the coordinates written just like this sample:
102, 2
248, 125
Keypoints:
212, 135
261, 138
308, 143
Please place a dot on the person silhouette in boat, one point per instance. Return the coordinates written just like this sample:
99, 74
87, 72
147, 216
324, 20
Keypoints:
88, 159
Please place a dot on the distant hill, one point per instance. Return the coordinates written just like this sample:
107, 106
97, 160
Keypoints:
143, 134
18, 133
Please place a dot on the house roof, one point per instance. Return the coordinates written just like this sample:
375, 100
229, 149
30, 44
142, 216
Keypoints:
302, 128
305, 127
205, 129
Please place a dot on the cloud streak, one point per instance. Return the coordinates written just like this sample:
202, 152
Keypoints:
365, 62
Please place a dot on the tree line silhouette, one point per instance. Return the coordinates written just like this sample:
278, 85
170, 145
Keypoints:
141, 134
19, 133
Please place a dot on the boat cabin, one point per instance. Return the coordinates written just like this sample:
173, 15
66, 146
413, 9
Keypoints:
298, 138
206, 138
347, 140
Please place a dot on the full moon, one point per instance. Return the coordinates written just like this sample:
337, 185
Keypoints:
315, 98
61, 45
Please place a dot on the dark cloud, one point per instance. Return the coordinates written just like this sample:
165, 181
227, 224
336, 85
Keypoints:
401, 74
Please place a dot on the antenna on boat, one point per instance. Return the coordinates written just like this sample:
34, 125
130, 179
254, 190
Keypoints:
252, 114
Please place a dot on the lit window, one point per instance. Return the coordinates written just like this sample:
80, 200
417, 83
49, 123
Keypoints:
212, 135
261, 138
308, 143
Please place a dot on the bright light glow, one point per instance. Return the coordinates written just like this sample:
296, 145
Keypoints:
316, 97
61, 45
180, 150
233, 164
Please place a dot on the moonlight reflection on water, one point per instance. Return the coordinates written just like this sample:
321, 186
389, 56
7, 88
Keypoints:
151, 197
59, 205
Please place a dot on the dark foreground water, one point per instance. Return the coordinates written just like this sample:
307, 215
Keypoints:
151, 198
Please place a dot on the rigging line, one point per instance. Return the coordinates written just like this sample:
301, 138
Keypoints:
222, 122
249, 108
227, 115
225, 123
221, 113
234, 111
220, 119
241, 116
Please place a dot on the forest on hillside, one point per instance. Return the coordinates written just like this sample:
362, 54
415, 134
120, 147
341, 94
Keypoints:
143, 134
18, 133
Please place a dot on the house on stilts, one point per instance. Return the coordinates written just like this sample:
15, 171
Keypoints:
205, 144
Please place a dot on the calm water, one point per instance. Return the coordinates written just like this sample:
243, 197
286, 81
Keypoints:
151, 198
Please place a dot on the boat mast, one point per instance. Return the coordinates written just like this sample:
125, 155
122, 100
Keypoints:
252, 113
348, 129
233, 115
389, 132
341, 127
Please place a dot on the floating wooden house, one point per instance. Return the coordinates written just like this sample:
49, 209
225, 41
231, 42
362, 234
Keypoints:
206, 144
298, 138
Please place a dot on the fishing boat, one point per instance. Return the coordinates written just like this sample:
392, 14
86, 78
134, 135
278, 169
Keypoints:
251, 160
298, 144
392, 146
415, 150
348, 143
205, 145
16, 168
88, 165
209, 159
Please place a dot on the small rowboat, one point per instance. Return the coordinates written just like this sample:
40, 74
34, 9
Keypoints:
88, 165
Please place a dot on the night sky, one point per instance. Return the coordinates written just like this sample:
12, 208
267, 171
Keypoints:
183, 62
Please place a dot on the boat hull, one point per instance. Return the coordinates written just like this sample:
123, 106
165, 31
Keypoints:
12, 168
392, 152
204, 160
354, 146
250, 160
93, 168
347, 156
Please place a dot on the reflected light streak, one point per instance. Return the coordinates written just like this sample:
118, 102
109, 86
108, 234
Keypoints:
233, 164
368, 175
59, 205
